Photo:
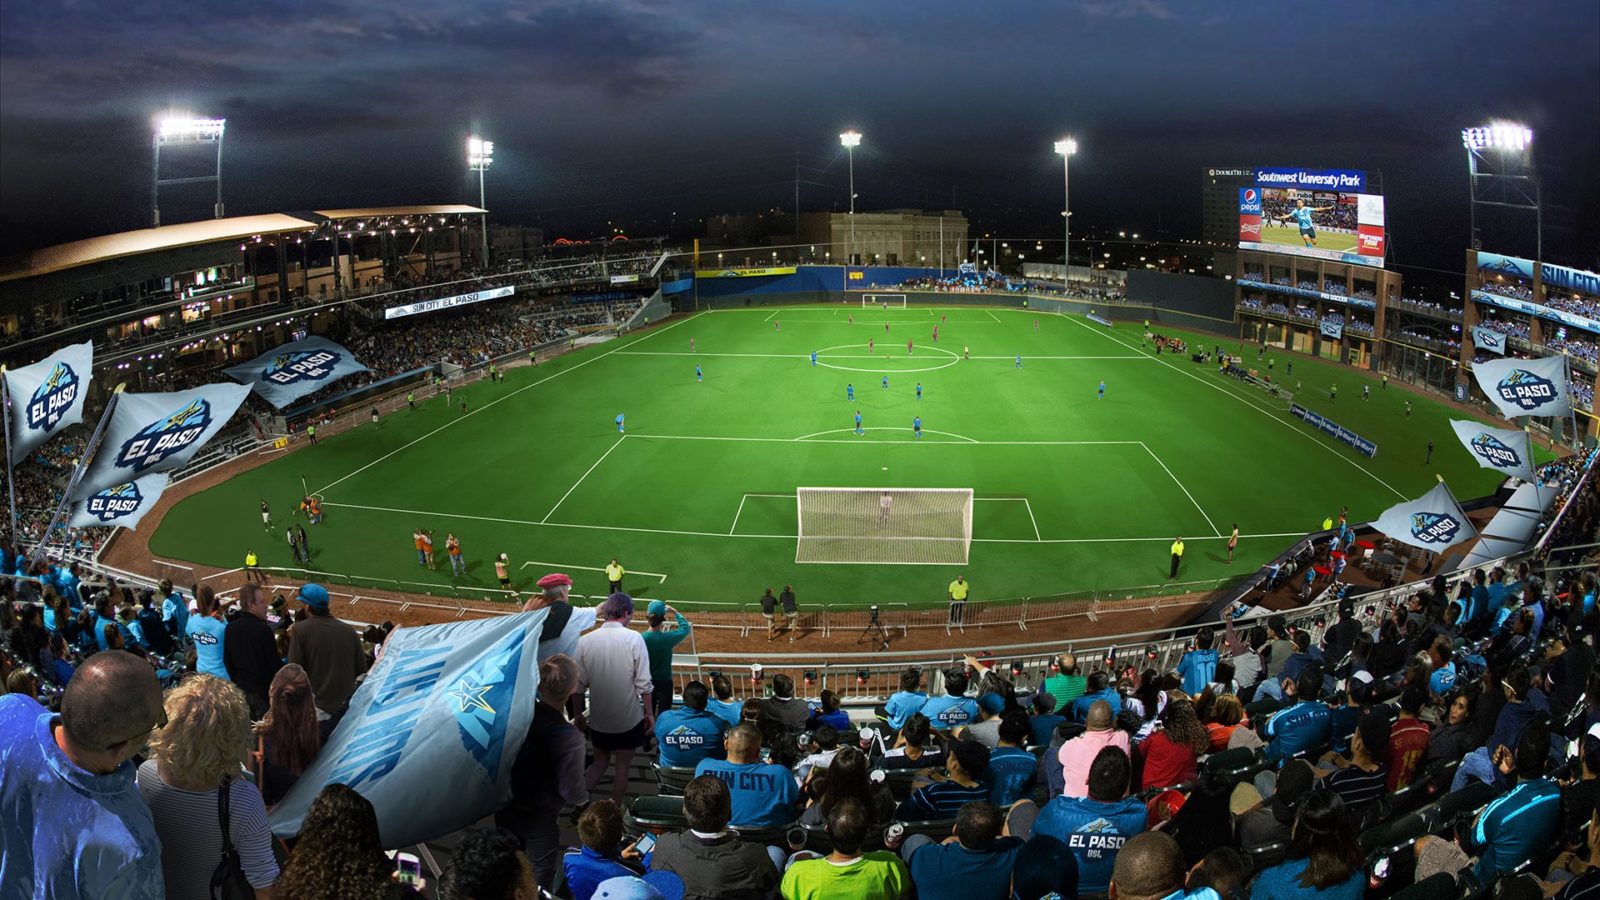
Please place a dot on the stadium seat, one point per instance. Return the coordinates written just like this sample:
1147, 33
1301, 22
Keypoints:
900, 782
1440, 886
1265, 855
671, 780
1236, 764
1470, 798
654, 814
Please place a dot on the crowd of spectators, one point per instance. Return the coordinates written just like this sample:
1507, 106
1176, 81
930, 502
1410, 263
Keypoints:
1510, 327
1580, 347
41, 478
1413, 304
1429, 339
1579, 304
1509, 287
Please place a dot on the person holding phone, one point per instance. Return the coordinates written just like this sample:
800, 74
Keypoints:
710, 859
602, 855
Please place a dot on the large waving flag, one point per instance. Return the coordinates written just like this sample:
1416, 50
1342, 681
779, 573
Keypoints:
121, 504
1433, 522
434, 729
157, 433
286, 374
1502, 449
1525, 387
47, 396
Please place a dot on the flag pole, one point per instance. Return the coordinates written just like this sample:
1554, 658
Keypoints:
77, 474
11, 474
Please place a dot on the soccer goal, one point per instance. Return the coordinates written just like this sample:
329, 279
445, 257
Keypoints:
884, 526
894, 300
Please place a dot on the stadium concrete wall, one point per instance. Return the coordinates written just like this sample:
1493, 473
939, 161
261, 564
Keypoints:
1177, 292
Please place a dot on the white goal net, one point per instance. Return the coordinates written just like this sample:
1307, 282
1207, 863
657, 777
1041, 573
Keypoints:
885, 526
892, 300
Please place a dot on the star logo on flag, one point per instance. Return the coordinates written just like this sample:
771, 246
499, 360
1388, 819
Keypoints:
471, 697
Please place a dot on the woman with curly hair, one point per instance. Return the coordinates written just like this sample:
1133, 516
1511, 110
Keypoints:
200, 751
290, 735
1171, 755
339, 855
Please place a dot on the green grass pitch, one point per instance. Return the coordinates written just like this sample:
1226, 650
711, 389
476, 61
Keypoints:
1073, 492
1290, 234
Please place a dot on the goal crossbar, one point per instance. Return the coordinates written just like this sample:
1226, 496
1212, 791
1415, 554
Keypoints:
884, 526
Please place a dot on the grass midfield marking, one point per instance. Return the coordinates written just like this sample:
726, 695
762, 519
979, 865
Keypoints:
581, 478
1181, 488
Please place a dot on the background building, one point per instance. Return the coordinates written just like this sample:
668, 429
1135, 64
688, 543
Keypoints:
894, 237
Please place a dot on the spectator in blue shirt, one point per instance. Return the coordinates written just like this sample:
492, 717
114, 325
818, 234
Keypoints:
723, 706
1097, 826
72, 822
905, 701
827, 712
602, 855
174, 612
976, 866
1199, 666
687, 734
1011, 768
762, 794
1099, 688
1324, 860
1304, 657
954, 709
105, 613
1045, 719
1301, 727
205, 632
1522, 822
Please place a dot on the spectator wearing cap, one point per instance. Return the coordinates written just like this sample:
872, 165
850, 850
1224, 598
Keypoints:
72, 823
649, 886
1096, 827
615, 669
1078, 754
762, 794
977, 865
658, 643
688, 733
986, 730
565, 623
966, 767
1341, 636
955, 708
328, 649
250, 649
1264, 823
711, 860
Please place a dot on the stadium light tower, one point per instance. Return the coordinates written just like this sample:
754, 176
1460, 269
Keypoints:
181, 130
851, 140
480, 153
1501, 174
1066, 147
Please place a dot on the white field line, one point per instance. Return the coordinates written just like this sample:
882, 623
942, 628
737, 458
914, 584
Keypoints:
556, 565
735, 526
809, 439
805, 356
1181, 488
994, 317
325, 488
582, 477
1268, 413
770, 318
1031, 518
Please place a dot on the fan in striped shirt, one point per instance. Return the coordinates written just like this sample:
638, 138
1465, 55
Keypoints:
966, 762
1360, 782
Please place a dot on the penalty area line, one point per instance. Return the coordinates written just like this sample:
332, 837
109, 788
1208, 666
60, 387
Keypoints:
556, 565
1181, 488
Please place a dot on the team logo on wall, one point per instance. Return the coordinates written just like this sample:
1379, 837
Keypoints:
166, 436
301, 365
1495, 452
54, 397
117, 502
1434, 528
1526, 390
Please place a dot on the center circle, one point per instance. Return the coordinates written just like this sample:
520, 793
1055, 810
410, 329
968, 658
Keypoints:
821, 361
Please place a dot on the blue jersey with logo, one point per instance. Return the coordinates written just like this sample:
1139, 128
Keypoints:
901, 705
1516, 826
947, 712
206, 635
727, 710
687, 736
1011, 774
175, 613
1095, 831
763, 794
1302, 215
1301, 727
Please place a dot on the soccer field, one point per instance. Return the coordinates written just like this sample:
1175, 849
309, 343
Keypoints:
697, 499
1290, 234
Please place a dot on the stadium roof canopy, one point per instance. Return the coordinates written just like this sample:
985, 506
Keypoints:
391, 211
148, 240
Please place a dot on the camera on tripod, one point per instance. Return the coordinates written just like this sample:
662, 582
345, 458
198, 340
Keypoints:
872, 613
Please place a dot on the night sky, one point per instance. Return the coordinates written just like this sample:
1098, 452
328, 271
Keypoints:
651, 115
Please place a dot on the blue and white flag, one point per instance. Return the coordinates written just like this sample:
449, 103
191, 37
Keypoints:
1488, 339
157, 433
1334, 330
1505, 450
1433, 522
294, 370
47, 396
121, 504
1525, 387
434, 729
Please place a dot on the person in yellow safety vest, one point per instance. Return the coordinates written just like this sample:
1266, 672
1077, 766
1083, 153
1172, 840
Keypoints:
958, 591
251, 573
1177, 558
614, 573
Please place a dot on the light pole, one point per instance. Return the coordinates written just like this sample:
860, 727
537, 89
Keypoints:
1066, 147
1500, 173
180, 130
480, 153
851, 140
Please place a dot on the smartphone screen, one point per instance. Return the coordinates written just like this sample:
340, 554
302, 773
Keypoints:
408, 868
646, 844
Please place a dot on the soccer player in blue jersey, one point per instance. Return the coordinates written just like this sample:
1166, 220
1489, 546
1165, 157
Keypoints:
1301, 214
619, 424
916, 428
858, 422
849, 392
699, 375
1019, 360
886, 382
919, 390
1102, 393
813, 359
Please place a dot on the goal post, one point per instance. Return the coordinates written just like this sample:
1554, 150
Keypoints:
884, 526
892, 300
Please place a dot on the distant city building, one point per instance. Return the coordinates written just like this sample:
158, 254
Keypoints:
1219, 214
894, 237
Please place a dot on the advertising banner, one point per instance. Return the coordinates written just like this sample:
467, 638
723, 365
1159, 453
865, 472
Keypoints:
1495, 264
1333, 330
286, 374
1355, 441
1433, 522
121, 504
1525, 387
47, 396
425, 306
431, 734
1502, 449
1488, 339
1343, 180
1250, 215
158, 432
745, 273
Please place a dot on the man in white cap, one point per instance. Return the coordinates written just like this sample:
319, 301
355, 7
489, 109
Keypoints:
565, 622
